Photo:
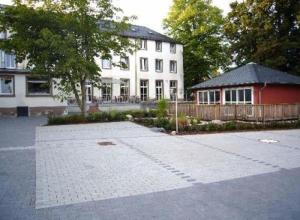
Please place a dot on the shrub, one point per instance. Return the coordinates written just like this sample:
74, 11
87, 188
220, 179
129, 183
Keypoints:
211, 127
182, 121
69, 119
162, 107
230, 126
162, 123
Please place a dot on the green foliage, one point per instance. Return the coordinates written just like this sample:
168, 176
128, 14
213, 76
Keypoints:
162, 123
99, 117
141, 114
198, 26
211, 127
169, 125
70, 119
61, 39
230, 126
182, 121
265, 32
162, 106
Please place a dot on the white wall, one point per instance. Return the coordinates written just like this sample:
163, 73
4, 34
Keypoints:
151, 74
20, 98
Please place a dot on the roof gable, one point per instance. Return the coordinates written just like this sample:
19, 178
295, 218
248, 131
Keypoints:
250, 73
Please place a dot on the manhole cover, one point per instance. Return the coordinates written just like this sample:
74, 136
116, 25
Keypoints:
106, 143
268, 141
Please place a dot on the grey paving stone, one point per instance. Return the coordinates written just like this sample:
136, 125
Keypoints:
123, 181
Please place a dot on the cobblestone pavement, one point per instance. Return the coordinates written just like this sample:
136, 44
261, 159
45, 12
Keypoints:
126, 171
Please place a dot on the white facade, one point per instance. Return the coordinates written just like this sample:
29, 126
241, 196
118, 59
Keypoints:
134, 73
144, 82
20, 96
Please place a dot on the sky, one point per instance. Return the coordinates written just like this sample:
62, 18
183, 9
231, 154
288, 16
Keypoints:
151, 13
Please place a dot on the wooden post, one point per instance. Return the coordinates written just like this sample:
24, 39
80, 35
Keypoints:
263, 113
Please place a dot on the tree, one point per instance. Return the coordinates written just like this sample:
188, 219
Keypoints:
266, 32
61, 40
198, 26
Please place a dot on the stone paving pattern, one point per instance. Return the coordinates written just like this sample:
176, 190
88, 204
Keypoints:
65, 174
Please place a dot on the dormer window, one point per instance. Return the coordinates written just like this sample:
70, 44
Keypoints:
143, 44
158, 46
172, 48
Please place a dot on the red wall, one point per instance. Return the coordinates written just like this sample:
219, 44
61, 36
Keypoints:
277, 94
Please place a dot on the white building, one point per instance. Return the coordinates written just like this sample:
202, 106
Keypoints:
151, 72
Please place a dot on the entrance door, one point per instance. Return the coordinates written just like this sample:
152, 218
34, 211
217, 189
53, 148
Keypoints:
88, 93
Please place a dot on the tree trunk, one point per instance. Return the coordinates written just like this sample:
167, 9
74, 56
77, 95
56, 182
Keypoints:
83, 98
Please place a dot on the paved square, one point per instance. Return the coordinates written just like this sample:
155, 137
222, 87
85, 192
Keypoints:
71, 167
62, 172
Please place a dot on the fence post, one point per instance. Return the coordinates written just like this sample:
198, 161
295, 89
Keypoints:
263, 111
235, 108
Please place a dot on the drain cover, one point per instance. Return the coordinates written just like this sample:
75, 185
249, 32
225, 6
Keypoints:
268, 141
106, 143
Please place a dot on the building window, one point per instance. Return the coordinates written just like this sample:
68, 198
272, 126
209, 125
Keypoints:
210, 97
144, 64
106, 90
173, 89
158, 65
143, 44
124, 89
38, 87
173, 66
144, 90
238, 96
106, 63
159, 89
158, 46
172, 48
3, 35
7, 60
6, 85
125, 63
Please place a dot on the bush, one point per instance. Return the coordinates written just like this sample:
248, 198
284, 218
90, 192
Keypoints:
211, 127
162, 107
230, 126
141, 114
162, 123
69, 119
182, 121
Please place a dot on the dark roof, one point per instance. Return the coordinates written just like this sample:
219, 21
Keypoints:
138, 32
250, 73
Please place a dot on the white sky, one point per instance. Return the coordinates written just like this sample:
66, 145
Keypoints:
150, 13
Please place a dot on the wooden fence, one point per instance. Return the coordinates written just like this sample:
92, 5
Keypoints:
238, 112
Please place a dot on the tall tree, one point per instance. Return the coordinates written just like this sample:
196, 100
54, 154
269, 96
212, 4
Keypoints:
266, 32
62, 39
198, 26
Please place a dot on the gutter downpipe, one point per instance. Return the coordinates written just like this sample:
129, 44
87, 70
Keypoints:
135, 70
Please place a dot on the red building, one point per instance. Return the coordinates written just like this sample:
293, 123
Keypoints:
250, 84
